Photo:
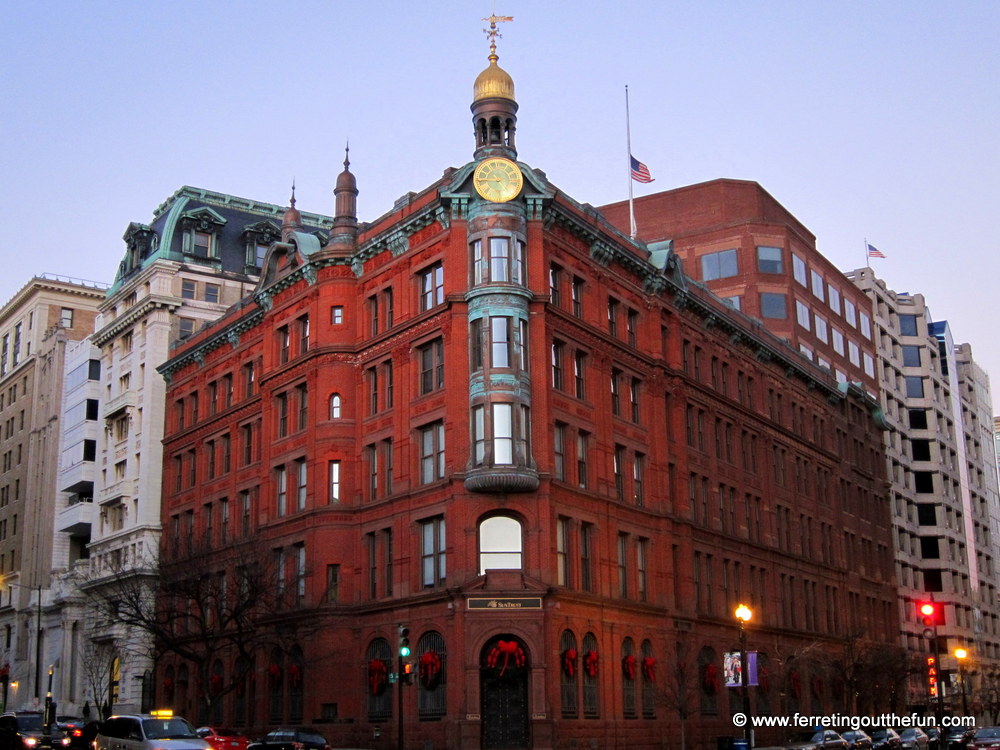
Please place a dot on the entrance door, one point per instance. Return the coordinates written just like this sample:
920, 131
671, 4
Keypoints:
503, 694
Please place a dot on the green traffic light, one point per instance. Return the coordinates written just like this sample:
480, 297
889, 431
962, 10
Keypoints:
404, 651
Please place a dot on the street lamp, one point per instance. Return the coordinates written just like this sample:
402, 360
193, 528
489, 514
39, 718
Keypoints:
38, 637
743, 614
961, 655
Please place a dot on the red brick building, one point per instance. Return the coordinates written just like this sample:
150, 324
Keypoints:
735, 238
494, 419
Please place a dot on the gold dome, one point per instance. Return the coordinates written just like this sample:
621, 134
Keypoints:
493, 83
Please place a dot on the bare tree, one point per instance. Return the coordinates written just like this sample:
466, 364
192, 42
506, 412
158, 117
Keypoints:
680, 692
97, 662
204, 605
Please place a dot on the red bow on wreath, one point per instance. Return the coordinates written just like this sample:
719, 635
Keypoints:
590, 660
215, 682
649, 669
628, 666
508, 650
711, 680
275, 671
430, 669
168, 685
378, 676
569, 662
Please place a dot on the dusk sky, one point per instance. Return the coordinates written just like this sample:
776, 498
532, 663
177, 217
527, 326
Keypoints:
873, 119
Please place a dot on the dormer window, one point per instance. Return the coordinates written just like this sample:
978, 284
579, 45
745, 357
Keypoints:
201, 232
258, 238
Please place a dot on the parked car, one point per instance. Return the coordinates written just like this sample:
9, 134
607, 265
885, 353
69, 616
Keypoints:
25, 730
820, 739
957, 738
933, 738
913, 738
857, 739
987, 737
885, 739
158, 731
290, 738
224, 739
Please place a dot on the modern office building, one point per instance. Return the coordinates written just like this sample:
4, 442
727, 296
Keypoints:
36, 326
493, 425
942, 466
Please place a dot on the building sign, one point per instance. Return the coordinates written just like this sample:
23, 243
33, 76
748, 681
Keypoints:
507, 602
932, 676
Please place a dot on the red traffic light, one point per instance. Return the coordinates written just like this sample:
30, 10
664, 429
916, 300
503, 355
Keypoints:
930, 613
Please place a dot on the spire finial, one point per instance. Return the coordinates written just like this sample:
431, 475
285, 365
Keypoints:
492, 32
347, 154
291, 201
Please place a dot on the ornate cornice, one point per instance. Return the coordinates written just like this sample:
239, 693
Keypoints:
225, 334
136, 313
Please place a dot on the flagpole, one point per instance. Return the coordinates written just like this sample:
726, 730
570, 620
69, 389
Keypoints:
868, 260
628, 165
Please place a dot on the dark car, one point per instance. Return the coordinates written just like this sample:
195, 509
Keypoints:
291, 738
857, 739
957, 738
933, 738
885, 739
913, 738
987, 737
820, 739
25, 730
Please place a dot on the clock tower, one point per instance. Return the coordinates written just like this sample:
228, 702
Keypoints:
494, 110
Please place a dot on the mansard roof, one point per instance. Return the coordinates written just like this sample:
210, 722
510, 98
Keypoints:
229, 218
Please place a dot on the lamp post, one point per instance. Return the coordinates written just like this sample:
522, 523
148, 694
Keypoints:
961, 655
743, 614
38, 637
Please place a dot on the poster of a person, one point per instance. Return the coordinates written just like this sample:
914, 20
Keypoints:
732, 668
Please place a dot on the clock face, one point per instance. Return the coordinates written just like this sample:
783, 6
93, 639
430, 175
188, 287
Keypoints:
498, 180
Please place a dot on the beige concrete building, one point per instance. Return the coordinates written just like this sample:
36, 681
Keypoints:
36, 326
942, 467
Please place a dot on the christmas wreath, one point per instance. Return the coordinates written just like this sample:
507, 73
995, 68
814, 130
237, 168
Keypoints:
378, 676
649, 669
509, 653
590, 662
215, 683
275, 671
796, 683
429, 669
628, 666
295, 675
569, 662
710, 682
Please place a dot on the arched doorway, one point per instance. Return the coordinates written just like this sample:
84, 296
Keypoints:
503, 693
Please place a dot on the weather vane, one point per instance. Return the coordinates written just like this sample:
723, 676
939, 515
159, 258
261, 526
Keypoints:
492, 32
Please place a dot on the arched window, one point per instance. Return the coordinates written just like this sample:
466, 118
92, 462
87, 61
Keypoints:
630, 670
590, 662
216, 683
334, 406
500, 544
647, 668
569, 668
276, 687
243, 699
378, 664
181, 703
709, 681
431, 672
296, 693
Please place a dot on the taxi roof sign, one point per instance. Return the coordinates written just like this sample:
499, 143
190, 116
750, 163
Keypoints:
162, 713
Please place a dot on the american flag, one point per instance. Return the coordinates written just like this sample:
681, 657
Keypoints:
874, 252
640, 172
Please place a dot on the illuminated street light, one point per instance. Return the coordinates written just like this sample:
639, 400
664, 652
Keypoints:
744, 614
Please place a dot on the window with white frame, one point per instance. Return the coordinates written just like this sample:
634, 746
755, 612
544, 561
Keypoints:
432, 552
802, 314
500, 544
833, 297
818, 285
432, 452
799, 269
821, 328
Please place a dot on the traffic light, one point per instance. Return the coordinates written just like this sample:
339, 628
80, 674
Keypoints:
930, 613
407, 673
404, 641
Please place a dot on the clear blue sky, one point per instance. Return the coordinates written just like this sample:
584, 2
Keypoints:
874, 119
